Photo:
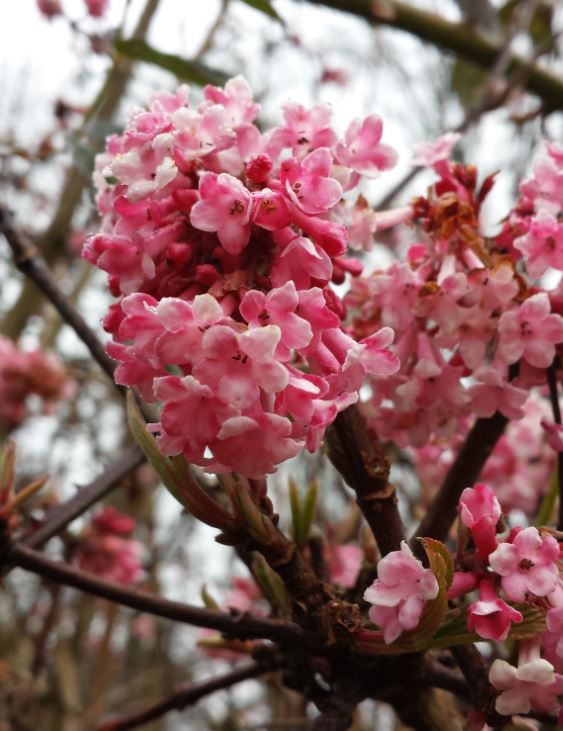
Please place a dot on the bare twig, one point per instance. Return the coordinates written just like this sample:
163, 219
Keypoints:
59, 516
186, 695
236, 625
51, 243
455, 37
29, 261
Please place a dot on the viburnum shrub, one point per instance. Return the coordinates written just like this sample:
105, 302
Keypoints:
223, 244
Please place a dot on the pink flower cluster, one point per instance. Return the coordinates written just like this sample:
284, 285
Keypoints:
221, 243
525, 567
28, 373
107, 549
518, 469
462, 313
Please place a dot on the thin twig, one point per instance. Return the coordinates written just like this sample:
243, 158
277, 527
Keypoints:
59, 516
243, 625
455, 37
29, 261
186, 695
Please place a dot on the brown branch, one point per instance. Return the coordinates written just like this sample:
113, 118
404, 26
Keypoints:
464, 472
556, 410
358, 455
29, 261
186, 695
455, 37
236, 625
59, 516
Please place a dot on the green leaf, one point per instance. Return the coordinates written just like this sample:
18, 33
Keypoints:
183, 68
547, 505
264, 7
207, 599
440, 549
271, 584
147, 443
302, 512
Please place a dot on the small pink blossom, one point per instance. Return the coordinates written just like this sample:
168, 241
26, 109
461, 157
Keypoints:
534, 684
480, 512
278, 308
531, 331
542, 244
225, 208
428, 154
363, 150
491, 617
308, 184
97, 8
494, 393
50, 8
304, 130
527, 565
400, 593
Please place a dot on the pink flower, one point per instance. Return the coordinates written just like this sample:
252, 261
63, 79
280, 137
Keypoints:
363, 151
270, 211
527, 565
428, 154
480, 512
97, 8
304, 130
225, 208
542, 244
49, 8
235, 99
307, 183
491, 617
530, 332
278, 308
237, 367
534, 684
400, 593
254, 446
495, 393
